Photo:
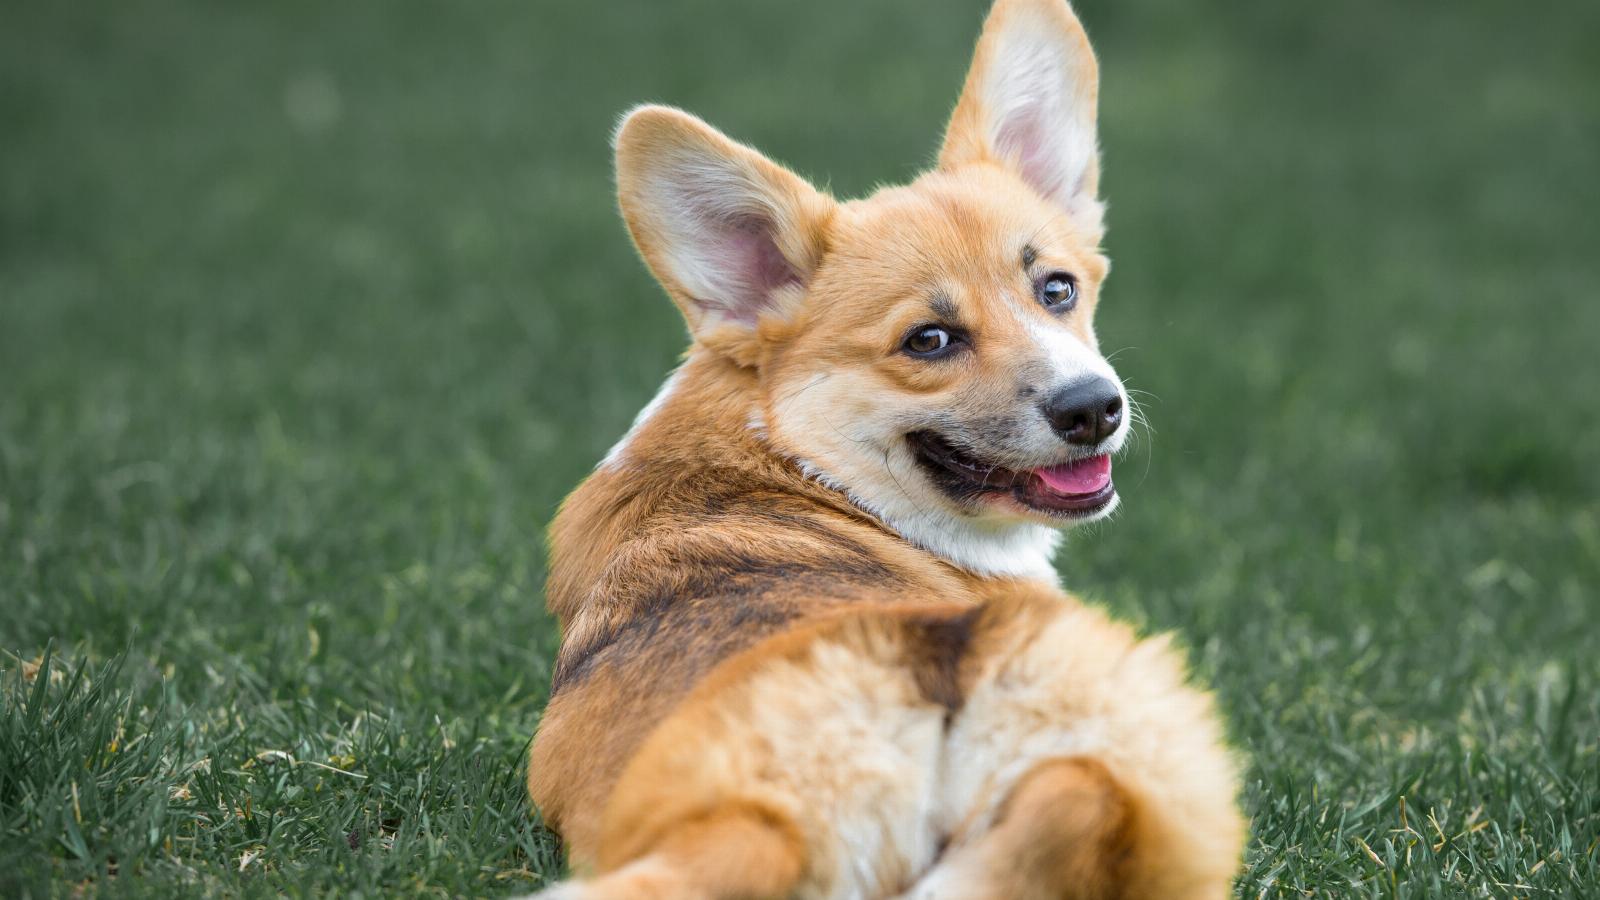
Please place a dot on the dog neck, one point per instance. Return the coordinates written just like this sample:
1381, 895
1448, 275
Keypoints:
710, 408
988, 550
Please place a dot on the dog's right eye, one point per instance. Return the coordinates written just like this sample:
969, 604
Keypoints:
930, 340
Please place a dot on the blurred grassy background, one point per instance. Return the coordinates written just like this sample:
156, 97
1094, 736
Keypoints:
310, 314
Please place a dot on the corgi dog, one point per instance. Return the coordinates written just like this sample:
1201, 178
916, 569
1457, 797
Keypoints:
812, 640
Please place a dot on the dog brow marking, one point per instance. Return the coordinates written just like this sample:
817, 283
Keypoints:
944, 309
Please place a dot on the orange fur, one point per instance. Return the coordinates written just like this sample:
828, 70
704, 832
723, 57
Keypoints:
792, 663
1065, 831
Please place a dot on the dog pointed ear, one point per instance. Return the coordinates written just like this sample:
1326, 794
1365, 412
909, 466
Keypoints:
1029, 104
734, 237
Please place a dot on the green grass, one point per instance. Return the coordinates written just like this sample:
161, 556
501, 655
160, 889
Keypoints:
310, 313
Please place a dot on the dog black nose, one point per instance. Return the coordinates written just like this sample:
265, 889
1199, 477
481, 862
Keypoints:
1085, 412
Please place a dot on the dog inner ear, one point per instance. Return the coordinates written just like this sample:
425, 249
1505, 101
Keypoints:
729, 262
732, 236
1029, 104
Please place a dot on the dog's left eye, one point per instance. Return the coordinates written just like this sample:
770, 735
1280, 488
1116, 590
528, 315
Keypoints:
930, 341
1058, 291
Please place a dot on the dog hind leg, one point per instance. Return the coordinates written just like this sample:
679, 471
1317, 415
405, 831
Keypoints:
1062, 834
1082, 765
735, 852
805, 767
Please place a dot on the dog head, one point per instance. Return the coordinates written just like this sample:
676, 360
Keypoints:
930, 349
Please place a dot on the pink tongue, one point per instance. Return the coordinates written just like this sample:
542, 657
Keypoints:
1086, 476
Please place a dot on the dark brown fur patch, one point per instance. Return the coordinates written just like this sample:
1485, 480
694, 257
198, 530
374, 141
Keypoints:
719, 600
937, 647
710, 615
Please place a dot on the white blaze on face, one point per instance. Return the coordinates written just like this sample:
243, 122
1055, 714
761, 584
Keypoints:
1070, 359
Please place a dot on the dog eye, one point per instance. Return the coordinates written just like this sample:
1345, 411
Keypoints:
929, 340
1058, 291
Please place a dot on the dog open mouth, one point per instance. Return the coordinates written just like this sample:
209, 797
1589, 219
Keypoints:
1078, 488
